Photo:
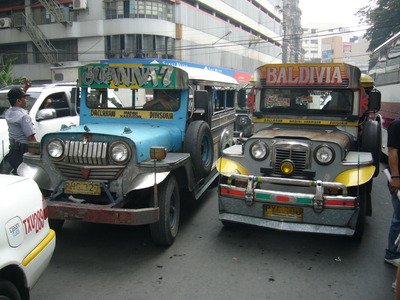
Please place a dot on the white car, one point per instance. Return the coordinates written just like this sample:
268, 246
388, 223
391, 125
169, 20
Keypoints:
26, 241
62, 113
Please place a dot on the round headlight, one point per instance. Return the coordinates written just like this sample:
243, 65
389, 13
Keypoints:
120, 152
324, 154
55, 148
259, 150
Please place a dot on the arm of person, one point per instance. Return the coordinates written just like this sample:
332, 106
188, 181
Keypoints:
27, 84
151, 103
32, 138
393, 159
167, 105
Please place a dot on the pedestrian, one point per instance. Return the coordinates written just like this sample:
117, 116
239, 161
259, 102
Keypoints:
20, 126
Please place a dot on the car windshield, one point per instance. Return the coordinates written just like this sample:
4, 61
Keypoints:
307, 101
141, 99
5, 104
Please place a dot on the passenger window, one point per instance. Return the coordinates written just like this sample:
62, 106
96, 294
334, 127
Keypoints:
59, 102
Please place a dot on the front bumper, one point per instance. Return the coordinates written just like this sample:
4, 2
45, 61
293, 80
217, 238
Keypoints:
293, 211
102, 214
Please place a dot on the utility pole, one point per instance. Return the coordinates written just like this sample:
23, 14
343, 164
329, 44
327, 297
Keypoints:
292, 51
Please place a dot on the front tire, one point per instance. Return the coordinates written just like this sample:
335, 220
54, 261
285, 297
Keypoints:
56, 224
362, 200
166, 229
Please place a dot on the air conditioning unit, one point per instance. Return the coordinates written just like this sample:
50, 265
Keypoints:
79, 4
5, 22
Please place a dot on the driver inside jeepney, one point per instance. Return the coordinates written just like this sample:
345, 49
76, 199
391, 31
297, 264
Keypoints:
163, 100
339, 101
307, 101
147, 99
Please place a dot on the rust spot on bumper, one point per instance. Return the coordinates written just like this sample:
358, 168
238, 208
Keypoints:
99, 214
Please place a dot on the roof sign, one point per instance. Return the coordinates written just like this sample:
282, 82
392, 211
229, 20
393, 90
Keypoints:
329, 75
132, 76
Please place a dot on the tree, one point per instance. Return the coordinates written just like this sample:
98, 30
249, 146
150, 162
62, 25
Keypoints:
6, 75
383, 21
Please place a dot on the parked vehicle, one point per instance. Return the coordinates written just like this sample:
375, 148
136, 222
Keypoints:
26, 241
310, 164
129, 162
61, 113
384, 68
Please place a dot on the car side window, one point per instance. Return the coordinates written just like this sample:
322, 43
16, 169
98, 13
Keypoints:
59, 102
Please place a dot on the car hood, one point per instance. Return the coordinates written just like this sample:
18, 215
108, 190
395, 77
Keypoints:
143, 136
329, 136
6, 180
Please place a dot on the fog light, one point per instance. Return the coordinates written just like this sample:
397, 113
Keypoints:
287, 167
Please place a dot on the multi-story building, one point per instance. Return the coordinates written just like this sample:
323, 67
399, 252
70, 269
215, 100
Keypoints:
328, 43
234, 34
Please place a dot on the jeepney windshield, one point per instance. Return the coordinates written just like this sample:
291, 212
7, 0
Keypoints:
135, 99
307, 101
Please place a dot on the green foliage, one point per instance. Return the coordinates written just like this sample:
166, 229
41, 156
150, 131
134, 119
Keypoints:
6, 75
384, 21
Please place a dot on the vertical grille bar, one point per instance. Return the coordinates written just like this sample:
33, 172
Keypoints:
297, 153
92, 153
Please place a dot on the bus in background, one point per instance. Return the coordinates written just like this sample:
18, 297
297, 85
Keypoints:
384, 68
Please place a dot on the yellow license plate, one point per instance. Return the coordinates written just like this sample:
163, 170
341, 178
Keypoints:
285, 212
82, 187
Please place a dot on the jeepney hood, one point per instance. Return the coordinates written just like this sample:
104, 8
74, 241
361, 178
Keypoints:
331, 136
143, 136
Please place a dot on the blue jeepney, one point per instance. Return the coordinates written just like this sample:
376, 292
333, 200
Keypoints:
132, 157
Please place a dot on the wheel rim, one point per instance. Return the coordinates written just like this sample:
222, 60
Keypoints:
172, 212
205, 150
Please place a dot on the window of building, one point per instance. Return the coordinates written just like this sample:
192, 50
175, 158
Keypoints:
139, 46
67, 50
151, 9
41, 15
17, 53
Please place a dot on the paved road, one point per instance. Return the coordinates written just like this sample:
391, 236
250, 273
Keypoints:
207, 261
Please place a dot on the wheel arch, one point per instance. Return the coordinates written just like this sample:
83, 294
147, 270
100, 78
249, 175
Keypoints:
15, 275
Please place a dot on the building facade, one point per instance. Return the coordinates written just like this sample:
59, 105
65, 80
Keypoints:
329, 43
235, 34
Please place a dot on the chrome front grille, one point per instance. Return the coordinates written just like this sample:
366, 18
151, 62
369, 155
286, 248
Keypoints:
299, 154
77, 172
87, 161
91, 153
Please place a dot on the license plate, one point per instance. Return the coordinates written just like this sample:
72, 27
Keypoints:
82, 187
286, 212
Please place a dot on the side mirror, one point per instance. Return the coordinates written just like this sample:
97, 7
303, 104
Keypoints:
201, 99
374, 101
202, 102
46, 113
